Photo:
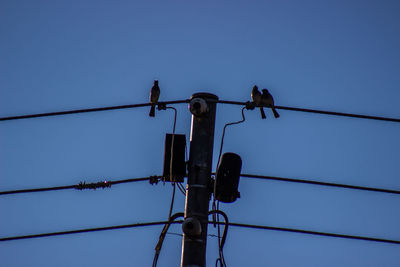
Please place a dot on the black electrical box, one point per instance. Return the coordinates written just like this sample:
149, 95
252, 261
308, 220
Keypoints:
177, 150
227, 177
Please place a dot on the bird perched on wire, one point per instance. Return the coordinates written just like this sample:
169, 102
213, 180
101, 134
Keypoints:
154, 95
256, 98
268, 100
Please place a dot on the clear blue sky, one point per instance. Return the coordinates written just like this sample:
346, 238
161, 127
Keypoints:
334, 55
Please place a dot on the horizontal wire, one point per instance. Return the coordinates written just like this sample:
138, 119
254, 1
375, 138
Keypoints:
187, 101
85, 230
293, 180
319, 111
155, 179
300, 231
84, 185
29, 116
181, 235
249, 226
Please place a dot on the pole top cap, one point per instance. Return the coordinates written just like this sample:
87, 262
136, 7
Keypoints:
205, 95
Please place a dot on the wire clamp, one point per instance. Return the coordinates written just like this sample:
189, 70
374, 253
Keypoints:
154, 180
94, 186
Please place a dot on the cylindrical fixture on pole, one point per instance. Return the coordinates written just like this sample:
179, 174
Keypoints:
203, 108
227, 177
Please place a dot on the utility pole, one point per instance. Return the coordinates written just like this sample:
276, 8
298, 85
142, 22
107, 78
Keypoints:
203, 108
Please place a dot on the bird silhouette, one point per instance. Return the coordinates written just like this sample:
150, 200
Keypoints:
268, 100
154, 95
256, 98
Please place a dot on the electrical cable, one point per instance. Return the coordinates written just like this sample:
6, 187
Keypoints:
85, 230
155, 179
221, 242
172, 179
293, 180
214, 205
221, 258
221, 146
181, 188
83, 185
162, 236
300, 231
181, 235
262, 227
223, 133
317, 111
172, 201
29, 116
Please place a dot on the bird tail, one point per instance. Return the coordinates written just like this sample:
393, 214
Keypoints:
276, 114
152, 111
262, 113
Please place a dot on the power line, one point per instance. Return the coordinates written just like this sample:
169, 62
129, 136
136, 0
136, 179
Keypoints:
334, 113
84, 185
293, 180
29, 116
181, 235
155, 179
85, 230
171, 219
249, 226
300, 231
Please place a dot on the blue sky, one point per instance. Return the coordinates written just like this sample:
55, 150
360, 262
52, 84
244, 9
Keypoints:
333, 55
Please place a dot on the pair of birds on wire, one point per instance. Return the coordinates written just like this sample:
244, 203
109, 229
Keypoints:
261, 100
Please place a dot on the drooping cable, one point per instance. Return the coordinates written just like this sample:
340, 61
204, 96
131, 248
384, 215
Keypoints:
170, 163
222, 144
172, 179
76, 111
162, 236
83, 185
221, 242
181, 188
221, 246
334, 113
214, 206
223, 133
172, 201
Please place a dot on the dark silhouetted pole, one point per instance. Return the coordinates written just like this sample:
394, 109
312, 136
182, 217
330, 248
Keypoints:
203, 108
